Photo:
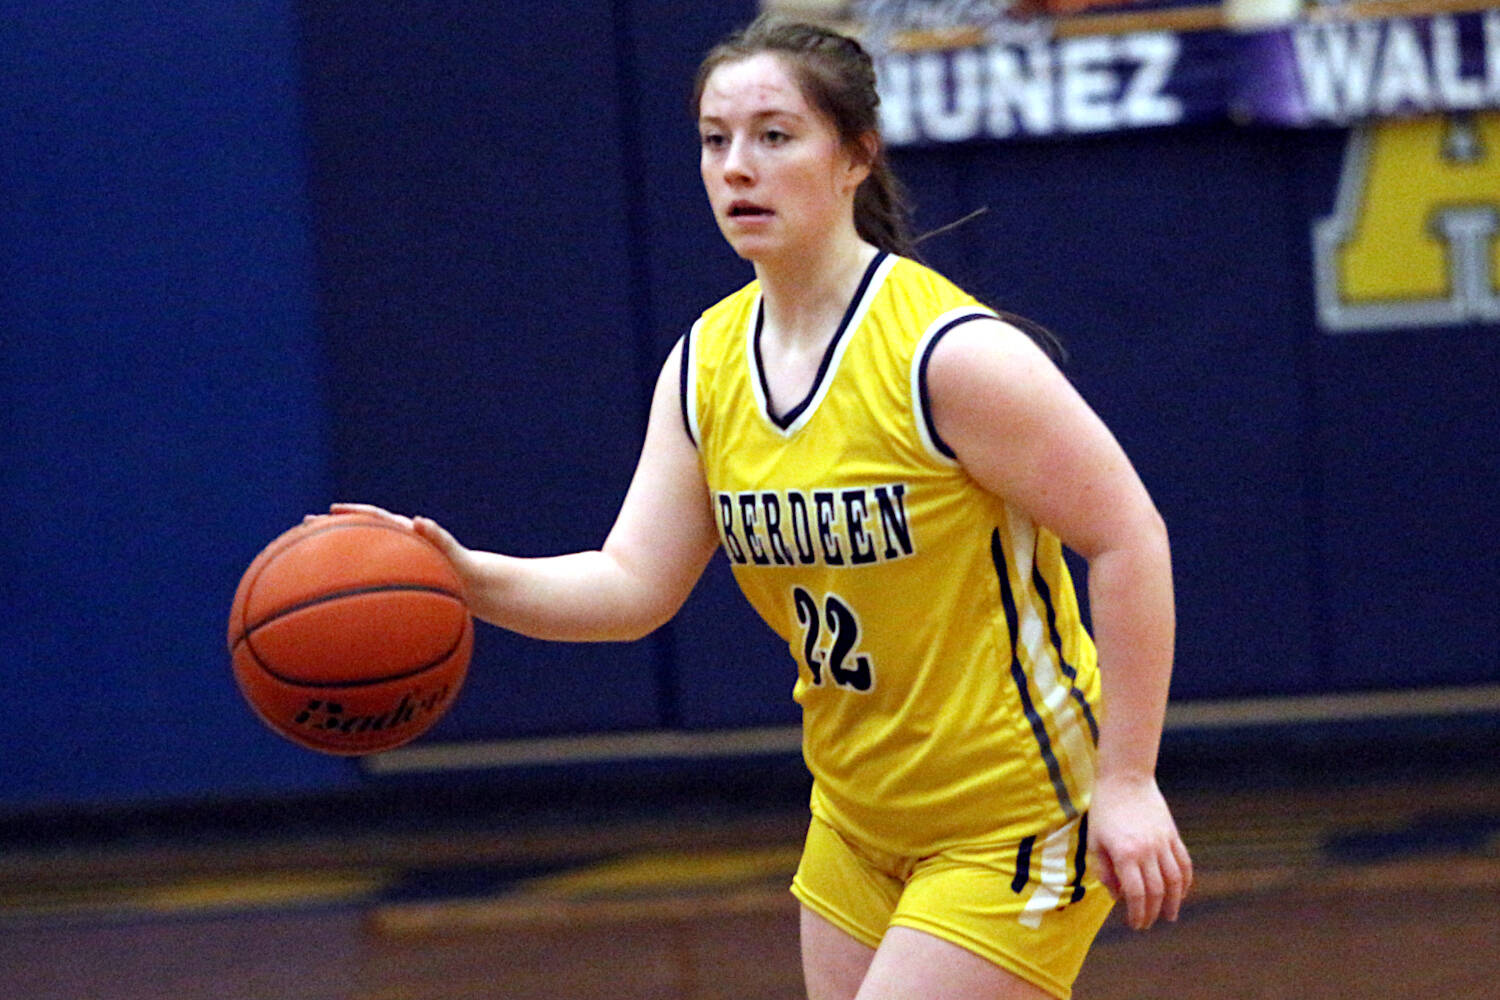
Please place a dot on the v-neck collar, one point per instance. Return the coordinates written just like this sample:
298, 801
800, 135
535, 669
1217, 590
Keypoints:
793, 419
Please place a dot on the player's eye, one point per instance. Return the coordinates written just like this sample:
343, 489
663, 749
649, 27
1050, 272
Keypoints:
712, 140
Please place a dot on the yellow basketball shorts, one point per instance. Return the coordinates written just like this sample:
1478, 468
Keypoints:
1031, 907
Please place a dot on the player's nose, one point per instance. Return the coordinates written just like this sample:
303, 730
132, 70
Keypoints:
738, 165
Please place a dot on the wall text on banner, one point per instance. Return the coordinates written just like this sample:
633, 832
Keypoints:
1093, 83
1412, 239
1355, 69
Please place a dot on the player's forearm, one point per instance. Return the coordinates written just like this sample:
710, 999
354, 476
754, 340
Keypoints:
581, 597
1130, 590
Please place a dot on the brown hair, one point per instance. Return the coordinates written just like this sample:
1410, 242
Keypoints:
837, 76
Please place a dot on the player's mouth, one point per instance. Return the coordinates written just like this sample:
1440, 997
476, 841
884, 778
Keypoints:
748, 210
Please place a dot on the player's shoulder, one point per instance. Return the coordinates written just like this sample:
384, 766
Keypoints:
720, 327
921, 300
915, 279
737, 304
987, 358
708, 351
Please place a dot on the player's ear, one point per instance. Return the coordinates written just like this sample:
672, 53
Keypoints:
863, 153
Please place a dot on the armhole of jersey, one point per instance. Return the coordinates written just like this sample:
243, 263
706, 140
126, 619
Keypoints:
921, 400
687, 387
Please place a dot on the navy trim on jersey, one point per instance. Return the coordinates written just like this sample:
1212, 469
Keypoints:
1080, 858
682, 389
787, 419
1023, 864
1070, 671
1018, 675
932, 431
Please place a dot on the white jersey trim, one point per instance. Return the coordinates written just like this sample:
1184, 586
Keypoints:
919, 401
845, 336
1054, 688
690, 383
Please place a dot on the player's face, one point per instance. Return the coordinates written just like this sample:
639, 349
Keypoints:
778, 178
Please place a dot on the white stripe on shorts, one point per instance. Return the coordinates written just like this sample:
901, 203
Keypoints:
1054, 875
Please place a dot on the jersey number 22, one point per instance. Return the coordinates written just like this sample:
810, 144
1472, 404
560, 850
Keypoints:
847, 667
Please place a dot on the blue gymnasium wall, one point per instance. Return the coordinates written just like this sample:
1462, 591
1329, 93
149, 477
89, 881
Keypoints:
264, 254
161, 388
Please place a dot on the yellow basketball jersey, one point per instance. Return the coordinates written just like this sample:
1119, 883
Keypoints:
947, 684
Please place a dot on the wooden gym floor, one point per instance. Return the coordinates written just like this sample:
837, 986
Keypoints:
1333, 870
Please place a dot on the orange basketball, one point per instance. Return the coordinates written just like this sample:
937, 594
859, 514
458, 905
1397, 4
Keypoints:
350, 635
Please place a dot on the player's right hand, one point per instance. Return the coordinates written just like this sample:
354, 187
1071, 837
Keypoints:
426, 527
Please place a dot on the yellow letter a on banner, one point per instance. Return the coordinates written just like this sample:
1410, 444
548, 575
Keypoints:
1413, 237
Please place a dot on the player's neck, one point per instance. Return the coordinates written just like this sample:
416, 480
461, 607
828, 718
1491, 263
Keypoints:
804, 299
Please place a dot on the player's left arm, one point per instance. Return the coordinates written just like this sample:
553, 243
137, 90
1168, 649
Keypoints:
1021, 430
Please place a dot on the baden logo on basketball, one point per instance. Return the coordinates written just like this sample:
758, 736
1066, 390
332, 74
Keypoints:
329, 716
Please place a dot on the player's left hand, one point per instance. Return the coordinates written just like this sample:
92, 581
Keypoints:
1140, 856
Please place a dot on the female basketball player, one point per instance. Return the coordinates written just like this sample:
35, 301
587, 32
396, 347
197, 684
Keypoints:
892, 471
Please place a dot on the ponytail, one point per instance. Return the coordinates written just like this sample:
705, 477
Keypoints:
882, 214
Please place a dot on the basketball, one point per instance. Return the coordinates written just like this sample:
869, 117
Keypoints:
349, 634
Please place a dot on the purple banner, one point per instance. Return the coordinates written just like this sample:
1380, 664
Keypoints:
1041, 78
1055, 86
1333, 72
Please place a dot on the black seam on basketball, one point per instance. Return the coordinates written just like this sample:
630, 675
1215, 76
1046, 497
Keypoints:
418, 588
363, 521
348, 685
